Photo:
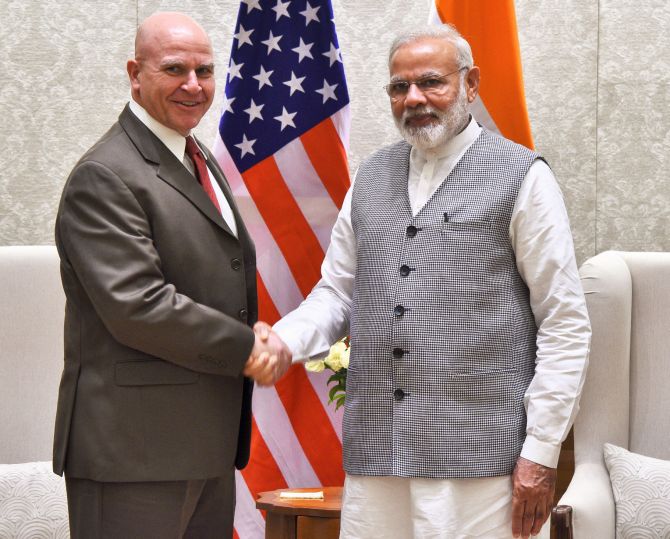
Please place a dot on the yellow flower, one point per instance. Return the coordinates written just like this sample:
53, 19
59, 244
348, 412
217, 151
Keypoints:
344, 359
315, 365
334, 359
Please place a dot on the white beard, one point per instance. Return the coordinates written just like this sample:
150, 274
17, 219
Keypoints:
450, 123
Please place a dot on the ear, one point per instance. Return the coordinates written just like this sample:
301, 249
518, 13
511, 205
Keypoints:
472, 83
133, 69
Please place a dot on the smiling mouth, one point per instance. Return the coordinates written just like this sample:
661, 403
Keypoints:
420, 118
189, 103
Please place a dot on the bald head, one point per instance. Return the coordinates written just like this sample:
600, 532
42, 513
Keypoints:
172, 74
163, 26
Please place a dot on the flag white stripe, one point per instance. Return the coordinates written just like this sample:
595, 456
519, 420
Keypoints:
342, 121
307, 189
433, 15
272, 265
275, 427
319, 381
481, 114
249, 522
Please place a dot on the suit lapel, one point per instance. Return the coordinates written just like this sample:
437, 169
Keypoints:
220, 178
171, 170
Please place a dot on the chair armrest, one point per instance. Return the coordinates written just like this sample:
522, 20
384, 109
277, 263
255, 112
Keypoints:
561, 522
589, 494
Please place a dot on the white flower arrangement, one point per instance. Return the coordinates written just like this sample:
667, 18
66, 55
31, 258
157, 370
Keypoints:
337, 361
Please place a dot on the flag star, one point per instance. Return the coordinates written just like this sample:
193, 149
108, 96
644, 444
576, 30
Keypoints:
252, 4
295, 83
242, 36
333, 54
246, 146
234, 70
254, 111
272, 43
328, 91
286, 118
303, 50
228, 104
281, 9
263, 77
310, 14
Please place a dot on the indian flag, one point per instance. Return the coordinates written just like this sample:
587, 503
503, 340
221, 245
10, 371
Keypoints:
490, 28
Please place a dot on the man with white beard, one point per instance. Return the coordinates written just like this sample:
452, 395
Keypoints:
451, 264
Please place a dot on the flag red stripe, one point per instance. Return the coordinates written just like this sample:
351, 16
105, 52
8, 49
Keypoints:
266, 308
326, 152
262, 473
288, 226
312, 426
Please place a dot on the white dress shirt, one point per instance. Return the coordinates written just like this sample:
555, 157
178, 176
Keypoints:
176, 143
540, 236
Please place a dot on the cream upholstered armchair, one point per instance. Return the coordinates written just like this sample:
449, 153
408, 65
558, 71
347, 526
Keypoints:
32, 303
626, 397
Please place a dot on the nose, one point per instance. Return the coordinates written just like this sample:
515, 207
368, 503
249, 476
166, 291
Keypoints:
414, 96
191, 84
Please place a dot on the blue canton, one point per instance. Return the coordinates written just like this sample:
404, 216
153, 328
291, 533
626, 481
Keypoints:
285, 76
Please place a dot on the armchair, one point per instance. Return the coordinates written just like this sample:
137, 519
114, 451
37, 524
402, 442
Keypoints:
626, 394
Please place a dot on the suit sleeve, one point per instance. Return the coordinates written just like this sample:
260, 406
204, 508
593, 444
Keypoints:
107, 240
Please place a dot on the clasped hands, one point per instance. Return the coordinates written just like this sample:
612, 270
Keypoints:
270, 357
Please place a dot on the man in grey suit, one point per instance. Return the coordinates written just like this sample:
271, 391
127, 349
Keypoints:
154, 409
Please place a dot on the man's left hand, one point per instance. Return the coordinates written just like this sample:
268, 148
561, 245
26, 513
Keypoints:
532, 497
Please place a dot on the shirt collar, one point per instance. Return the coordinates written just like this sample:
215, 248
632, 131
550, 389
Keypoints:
454, 146
174, 141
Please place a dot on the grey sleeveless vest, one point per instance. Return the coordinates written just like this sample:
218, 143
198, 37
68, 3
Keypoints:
443, 337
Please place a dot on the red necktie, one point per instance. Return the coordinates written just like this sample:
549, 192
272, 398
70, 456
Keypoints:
201, 173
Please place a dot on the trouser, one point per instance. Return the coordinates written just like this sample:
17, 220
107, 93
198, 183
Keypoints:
418, 508
197, 509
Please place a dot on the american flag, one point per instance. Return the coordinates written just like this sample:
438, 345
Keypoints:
284, 132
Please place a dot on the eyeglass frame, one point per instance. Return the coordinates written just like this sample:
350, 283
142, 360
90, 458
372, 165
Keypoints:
415, 82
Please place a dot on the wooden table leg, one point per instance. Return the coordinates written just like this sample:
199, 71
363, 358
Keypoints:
279, 526
318, 528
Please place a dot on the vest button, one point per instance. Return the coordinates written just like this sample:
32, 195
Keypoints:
242, 314
404, 270
398, 353
411, 231
235, 264
399, 310
398, 394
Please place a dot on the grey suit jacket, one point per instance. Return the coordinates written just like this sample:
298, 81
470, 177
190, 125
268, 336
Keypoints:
160, 299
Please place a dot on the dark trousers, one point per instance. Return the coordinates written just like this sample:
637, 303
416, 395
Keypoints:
196, 509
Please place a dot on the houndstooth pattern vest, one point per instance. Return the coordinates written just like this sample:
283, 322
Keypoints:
443, 337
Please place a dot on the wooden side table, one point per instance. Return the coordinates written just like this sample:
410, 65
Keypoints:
302, 519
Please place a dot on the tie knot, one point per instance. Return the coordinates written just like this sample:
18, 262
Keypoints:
191, 147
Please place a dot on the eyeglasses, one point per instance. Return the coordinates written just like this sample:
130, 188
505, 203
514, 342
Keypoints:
431, 84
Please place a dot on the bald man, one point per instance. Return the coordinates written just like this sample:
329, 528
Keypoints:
159, 275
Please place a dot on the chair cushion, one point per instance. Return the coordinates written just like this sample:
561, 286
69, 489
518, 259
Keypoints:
33, 503
641, 487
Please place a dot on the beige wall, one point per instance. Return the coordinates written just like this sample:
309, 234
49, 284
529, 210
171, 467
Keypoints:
597, 77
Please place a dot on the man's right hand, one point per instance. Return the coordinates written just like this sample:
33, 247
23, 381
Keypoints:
270, 357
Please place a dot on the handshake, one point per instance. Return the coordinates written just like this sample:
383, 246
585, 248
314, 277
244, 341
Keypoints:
270, 357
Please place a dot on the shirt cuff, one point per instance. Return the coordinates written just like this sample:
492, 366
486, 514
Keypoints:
543, 453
